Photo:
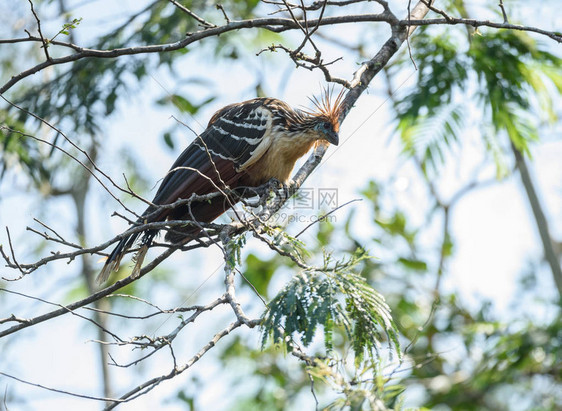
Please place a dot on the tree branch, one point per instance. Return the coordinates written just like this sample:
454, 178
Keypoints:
277, 25
542, 224
45, 44
481, 23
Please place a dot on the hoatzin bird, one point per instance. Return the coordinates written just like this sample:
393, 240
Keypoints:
245, 145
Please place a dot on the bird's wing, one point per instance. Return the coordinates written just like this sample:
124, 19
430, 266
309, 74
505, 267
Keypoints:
236, 135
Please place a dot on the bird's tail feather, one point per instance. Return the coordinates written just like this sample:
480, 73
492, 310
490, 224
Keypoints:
114, 259
139, 258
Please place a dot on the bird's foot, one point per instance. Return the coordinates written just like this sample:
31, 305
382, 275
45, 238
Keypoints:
280, 188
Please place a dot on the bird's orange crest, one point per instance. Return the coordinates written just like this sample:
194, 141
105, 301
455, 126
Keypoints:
328, 107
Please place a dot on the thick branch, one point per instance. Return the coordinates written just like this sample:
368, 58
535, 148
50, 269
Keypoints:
273, 24
277, 25
88, 300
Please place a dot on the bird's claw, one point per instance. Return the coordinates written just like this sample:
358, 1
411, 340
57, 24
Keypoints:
273, 184
279, 188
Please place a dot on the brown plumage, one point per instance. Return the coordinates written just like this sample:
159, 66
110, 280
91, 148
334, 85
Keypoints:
244, 145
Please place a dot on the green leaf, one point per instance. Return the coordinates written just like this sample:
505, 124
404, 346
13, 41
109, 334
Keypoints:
168, 140
259, 272
313, 299
183, 104
412, 264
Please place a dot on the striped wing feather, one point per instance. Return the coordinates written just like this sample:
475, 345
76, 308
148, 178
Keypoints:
226, 154
211, 162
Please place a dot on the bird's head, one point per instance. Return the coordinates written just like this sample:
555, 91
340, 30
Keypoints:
325, 119
327, 130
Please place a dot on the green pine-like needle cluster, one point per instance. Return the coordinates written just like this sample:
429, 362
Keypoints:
331, 297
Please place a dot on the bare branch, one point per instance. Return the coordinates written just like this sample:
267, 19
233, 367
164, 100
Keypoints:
29, 268
13, 318
157, 343
504, 14
16, 264
147, 386
277, 25
57, 305
323, 216
53, 231
201, 20
91, 298
221, 8
45, 387
230, 295
31, 38
273, 24
45, 44
481, 23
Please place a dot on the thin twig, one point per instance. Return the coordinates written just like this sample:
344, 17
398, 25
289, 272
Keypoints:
12, 252
45, 45
201, 20
50, 229
149, 385
221, 8
482, 23
408, 39
35, 39
429, 4
73, 394
322, 217
505, 19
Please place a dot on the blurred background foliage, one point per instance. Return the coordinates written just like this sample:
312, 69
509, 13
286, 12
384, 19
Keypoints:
512, 80
506, 362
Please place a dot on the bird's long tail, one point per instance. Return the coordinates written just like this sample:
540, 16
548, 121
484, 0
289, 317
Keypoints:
114, 259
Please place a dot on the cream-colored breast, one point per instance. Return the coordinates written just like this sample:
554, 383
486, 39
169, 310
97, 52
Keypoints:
280, 158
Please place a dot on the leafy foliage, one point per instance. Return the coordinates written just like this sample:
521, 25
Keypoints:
512, 92
82, 94
503, 363
18, 149
509, 66
429, 118
508, 365
330, 297
67, 27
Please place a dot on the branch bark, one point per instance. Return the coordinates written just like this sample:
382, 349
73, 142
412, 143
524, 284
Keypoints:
540, 219
274, 24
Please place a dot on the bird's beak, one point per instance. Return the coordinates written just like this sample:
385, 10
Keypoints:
332, 137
